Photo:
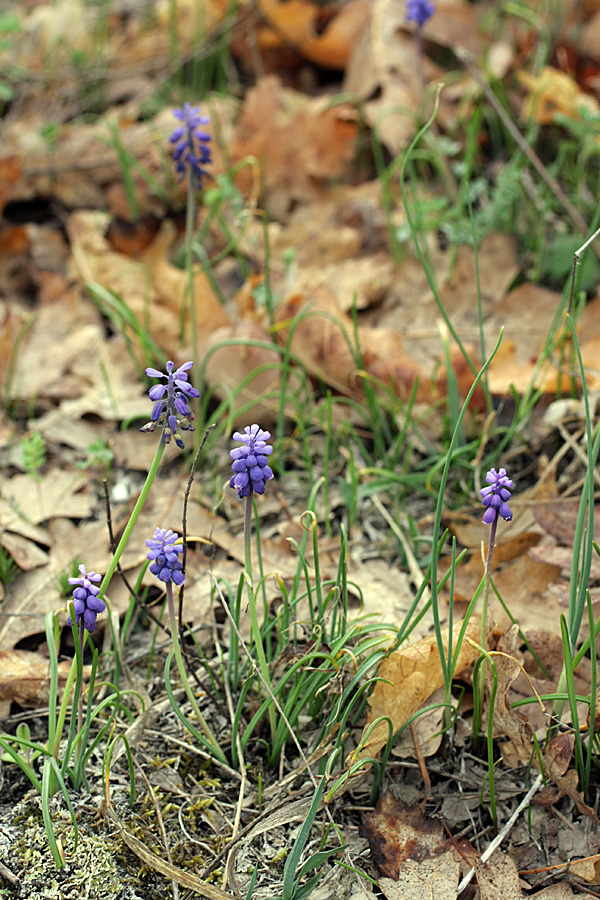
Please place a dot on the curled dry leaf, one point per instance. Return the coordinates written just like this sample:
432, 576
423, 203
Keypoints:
299, 143
552, 92
510, 723
587, 870
172, 284
409, 677
322, 337
24, 678
153, 289
298, 22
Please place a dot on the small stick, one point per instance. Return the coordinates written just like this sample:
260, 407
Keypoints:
502, 834
576, 261
8, 876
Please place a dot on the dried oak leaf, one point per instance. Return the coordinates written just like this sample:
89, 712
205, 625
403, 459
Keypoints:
398, 833
498, 879
153, 289
322, 338
299, 23
510, 723
409, 676
435, 878
24, 678
300, 144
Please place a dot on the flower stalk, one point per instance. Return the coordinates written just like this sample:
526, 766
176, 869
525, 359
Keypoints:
164, 550
251, 473
494, 496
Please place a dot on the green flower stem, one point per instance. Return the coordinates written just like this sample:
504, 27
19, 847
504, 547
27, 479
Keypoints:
74, 672
487, 582
62, 715
479, 685
256, 635
133, 517
190, 224
181, 666
79, 656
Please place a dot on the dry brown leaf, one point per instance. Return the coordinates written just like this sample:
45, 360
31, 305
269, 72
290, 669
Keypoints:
558, 754
523, 585
562, 558
552, 92
27, 554
426, 732
297, 21
10, 172
25, 679
560, 891
508, 722
587, 870
559, 518
511, 544
414, 673
299, 143
59, 493
398, 833
436, 878
323, 339
498, 879
152, 288
172, 284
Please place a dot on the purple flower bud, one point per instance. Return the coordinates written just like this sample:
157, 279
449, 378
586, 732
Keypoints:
495, 497
86, 602
163, 553
419, 11
171, 411
249, 465
191, 151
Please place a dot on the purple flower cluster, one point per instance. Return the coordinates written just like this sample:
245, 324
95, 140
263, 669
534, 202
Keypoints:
171, 410
164, 553
496, 496
419, 11
191, 144
251, 471
85, 599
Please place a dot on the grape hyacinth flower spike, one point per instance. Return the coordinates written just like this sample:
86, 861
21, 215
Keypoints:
419, 11
171, 408
163, 553
192, 150
249, 462
496, 496
85, 601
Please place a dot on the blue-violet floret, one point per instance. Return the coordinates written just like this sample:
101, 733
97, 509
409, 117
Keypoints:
86, 602
419, 11
496, 496
192, 150
171, 410
249, 462
163, 553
